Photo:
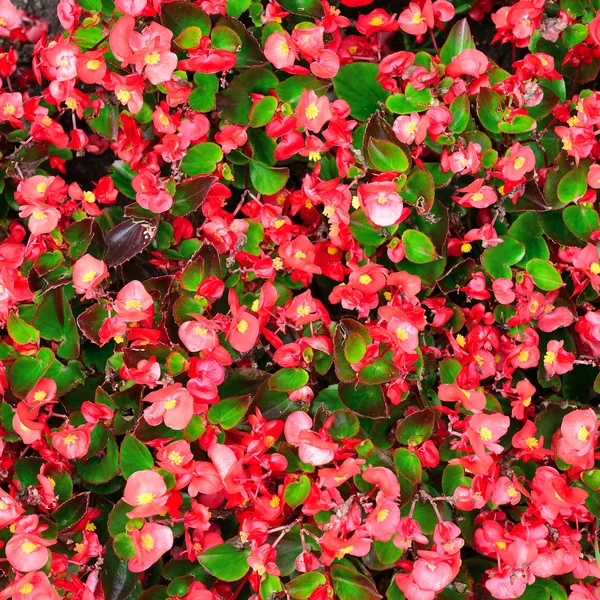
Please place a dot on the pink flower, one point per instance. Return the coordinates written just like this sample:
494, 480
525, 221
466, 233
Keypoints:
432, 573
312, 112
72, 442
313, 448
578, 433
200, 334
88, 272
35, 585
484, 431
11, 107
131, 7
172, 404
26, 551
404, 334
469, 62
593, 176
10, 509
556, 360
415, 20
145, 490
410, 128
384, 479
202, 479
520, 161
134, 303
477, 195
381, 202
150, 543
42, 218
243, 331
382, 522
280, 50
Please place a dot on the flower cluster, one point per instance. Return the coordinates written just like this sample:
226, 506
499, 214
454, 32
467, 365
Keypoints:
299, 300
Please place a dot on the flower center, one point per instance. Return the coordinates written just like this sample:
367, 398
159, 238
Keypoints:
274, 502
595, 268
300, 255
38, 215
523, 355
381, 200
242, 326
583, 434
365, 279
303, 310
376, 21
9, 109
402, 334
466, 247
549, 357
145, 498
531, 443
417, 18
170, 404
284, 49
147, 541
89, 197
39, 396
133, 304
124, 96
70, 439
26, 589
519, 162
312, 111
382, 515
93, 65
175, 458
152, 59
485, 433
29, 547
478, 197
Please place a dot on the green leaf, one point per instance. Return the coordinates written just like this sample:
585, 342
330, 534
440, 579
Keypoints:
288, 380
268, 180
123, 546
386, 156
236, 7
203, 97
248, 53
408, 465
117, 580
498, 259
78, 235
366, 400
345, 424
20, 331
189, 37
101, 469
190, 194
229, 412
225, 562
311, 8
26, 371
420, 192
419, 248
572, 185
412, 101
379, 371
263, 111
178, 16
134, 456
453, 477
107, 121
69, 513
416, 428
201, 159
575, 34
235, 102
296, 493
349, 584
305, 584
54, 320
364, 99
460, 109
355, 347
489, 109
459, 39
544, 589
520, 124
544, 275
581, 220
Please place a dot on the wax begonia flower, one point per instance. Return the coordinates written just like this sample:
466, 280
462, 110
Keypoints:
172, 405
280, 50
312, 112
134, 303
88, 273
42, 218
381, 202
150, 543
146, 492
578, 432
26, 551
313, 448
485, 430
72, 442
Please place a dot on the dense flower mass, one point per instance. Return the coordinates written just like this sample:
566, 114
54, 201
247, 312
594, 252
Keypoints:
299, 300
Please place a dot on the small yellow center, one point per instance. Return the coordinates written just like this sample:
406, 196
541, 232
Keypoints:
284, 49
145, 498
70, 439
46, 121
382, 515
365, 279
381, 200
417, 18
411, 128
147, 541
133, 304
39, 395
479, 359
29, 547
402, 334
89, 276
303, 310
175, 458
200, 331
71, 103
274, 502
511, 491
312, 111
89, 197
242, 326
152, 59
93, 65
466, 247
526, 402
567, 144
124, 96
595, 268
9, 109
3, 505
549, 357
300, 255
26, 589
523, 355
460, 340
485, 434
583, 434
531, 442
501, 545
269, 441
163, 119
314, 156
41, 188
376, 21
38, 215
477, 197
519, 162
170, 404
